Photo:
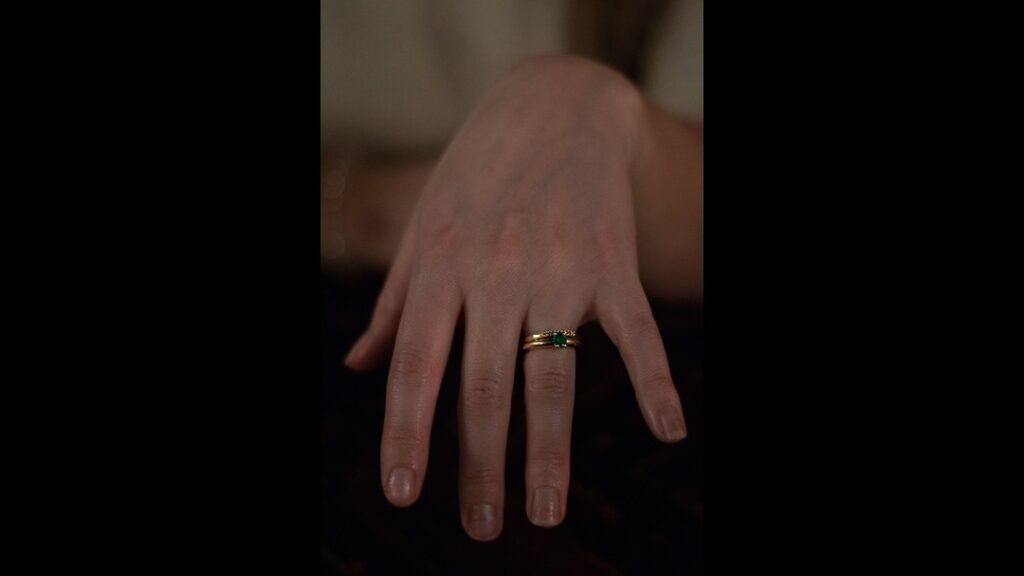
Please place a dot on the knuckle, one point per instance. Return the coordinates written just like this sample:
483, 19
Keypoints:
483, 390
441, 232
600, 264
410, 366
438, 240
548, 462
639, 326
656, 382
402, 438
509, 237
551, 381
612, 246
505, 251
482, 475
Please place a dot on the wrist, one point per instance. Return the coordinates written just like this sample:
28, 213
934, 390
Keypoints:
584, 93
668, 192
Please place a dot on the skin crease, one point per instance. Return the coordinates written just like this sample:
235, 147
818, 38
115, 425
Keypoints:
528, 223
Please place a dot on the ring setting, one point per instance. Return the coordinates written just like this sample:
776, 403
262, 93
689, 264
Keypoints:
552, 339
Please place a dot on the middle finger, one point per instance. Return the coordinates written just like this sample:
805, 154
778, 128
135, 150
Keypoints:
485, 398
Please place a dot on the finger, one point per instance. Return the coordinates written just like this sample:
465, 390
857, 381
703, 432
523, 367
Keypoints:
379, 338
626, 316
550, 387
421, 353
485, 398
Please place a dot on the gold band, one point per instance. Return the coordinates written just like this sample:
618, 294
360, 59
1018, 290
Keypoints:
552, 339
570, 342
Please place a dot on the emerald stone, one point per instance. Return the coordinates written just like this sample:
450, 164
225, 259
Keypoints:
559, 340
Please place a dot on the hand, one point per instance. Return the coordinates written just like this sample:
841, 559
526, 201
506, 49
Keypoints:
526, 225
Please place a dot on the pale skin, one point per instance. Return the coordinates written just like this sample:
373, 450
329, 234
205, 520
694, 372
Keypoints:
529, 223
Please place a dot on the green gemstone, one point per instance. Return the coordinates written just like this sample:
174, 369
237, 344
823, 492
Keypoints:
559, 340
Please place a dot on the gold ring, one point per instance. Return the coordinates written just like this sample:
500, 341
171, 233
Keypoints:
552, 339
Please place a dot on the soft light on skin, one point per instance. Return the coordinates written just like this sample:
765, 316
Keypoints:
560, 144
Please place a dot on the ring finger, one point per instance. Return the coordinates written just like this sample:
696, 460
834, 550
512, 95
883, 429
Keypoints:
550, 374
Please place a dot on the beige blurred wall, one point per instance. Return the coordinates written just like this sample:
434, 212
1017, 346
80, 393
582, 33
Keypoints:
403, 74
675, 62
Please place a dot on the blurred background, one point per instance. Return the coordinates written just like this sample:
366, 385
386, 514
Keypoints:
398, 77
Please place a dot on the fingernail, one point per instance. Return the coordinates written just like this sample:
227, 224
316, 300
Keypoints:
356, 352
672, 424
400, 486
547, 504
482, 523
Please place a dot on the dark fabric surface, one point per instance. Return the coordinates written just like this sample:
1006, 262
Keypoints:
635, 506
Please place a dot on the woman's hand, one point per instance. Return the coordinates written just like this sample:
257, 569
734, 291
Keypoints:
526, 225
